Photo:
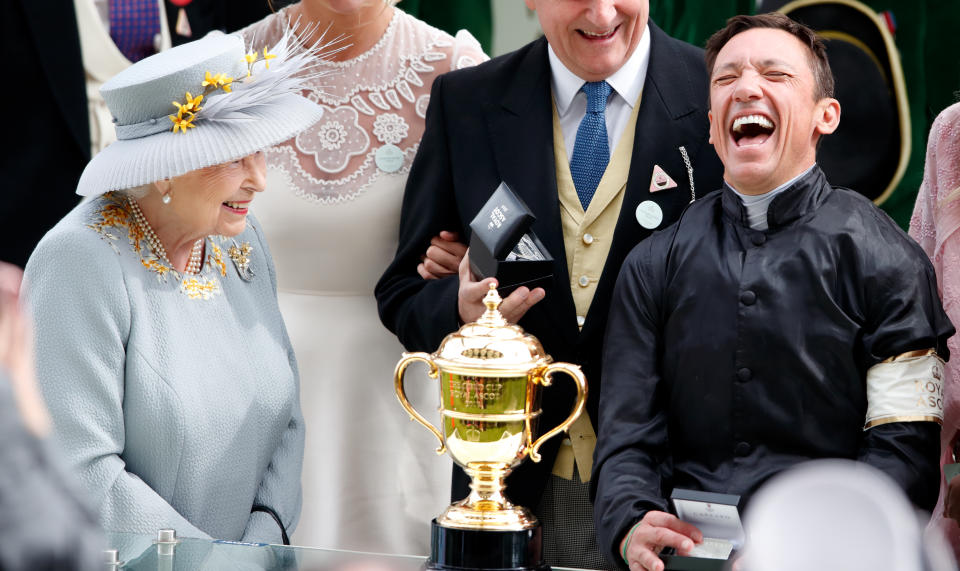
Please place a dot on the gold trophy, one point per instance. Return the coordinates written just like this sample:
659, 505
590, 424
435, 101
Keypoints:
491, 375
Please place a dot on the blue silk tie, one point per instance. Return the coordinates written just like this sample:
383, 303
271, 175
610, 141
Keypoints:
591, 151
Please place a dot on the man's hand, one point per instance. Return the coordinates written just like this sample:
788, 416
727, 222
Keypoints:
443, 257
471, 293
654, 532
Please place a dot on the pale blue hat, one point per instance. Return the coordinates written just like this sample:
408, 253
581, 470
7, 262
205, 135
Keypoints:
251, 101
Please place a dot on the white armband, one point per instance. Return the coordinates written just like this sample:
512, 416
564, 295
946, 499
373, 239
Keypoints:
905, 388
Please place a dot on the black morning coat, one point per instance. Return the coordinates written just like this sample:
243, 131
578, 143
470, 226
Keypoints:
44, 159
733, 354
493, 123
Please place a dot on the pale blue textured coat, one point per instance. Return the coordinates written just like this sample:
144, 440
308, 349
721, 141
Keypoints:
176, 412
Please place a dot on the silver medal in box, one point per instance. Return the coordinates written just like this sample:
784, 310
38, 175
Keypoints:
503, 244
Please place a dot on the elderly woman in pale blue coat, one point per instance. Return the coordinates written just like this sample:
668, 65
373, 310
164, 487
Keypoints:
162, 353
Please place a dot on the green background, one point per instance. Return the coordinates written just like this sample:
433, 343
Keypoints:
926, 37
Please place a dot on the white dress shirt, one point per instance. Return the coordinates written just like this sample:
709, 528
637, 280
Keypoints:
627, 83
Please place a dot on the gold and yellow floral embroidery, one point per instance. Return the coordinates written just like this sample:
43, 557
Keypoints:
155, 265
137, 238
112, 214
199, 287
115, 216
215, 259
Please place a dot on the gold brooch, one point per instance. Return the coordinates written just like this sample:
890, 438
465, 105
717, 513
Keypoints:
241, 259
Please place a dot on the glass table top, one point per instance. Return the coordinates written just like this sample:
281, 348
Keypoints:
142, 553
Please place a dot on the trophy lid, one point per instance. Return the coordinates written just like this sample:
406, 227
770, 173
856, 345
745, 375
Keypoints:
490, 344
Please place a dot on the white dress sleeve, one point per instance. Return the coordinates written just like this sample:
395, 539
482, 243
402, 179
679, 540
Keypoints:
467, 51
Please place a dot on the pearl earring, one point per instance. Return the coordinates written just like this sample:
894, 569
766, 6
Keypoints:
166, 198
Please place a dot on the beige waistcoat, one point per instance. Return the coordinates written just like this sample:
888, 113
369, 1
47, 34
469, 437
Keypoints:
586, 238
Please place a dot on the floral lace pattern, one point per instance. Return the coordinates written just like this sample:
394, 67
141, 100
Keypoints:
378, 98
390, 128
332, 135
337, 138
114, 219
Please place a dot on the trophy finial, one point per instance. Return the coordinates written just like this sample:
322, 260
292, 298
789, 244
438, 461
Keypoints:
492, 316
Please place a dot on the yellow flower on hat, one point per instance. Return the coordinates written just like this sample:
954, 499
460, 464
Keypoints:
193, 103
223, 82
191, 106
267, 57
250, 58
218, 81
209, 80
180, 121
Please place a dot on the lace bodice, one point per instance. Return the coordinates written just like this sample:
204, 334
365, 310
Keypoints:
374, 105
936, 218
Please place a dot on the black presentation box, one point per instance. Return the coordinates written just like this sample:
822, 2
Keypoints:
503, 246
717, 516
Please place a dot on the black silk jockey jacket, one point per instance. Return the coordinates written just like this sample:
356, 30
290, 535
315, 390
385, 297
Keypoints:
732, 354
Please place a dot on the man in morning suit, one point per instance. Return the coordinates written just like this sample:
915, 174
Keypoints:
601, 129
780, 320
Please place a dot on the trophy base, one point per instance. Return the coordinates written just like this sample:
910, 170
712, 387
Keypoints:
454, 549
499, 516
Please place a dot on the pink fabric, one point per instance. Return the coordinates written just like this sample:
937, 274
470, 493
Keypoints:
936, 218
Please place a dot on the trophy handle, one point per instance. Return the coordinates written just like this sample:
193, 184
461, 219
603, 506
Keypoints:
577, 375
402, 395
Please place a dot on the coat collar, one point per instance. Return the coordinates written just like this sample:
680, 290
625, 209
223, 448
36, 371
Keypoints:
527, 89
670, 76
521, 127
805, 195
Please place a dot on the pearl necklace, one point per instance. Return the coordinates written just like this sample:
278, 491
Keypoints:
196, 253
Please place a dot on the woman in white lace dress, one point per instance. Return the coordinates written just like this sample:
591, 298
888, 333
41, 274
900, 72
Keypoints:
371, 479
